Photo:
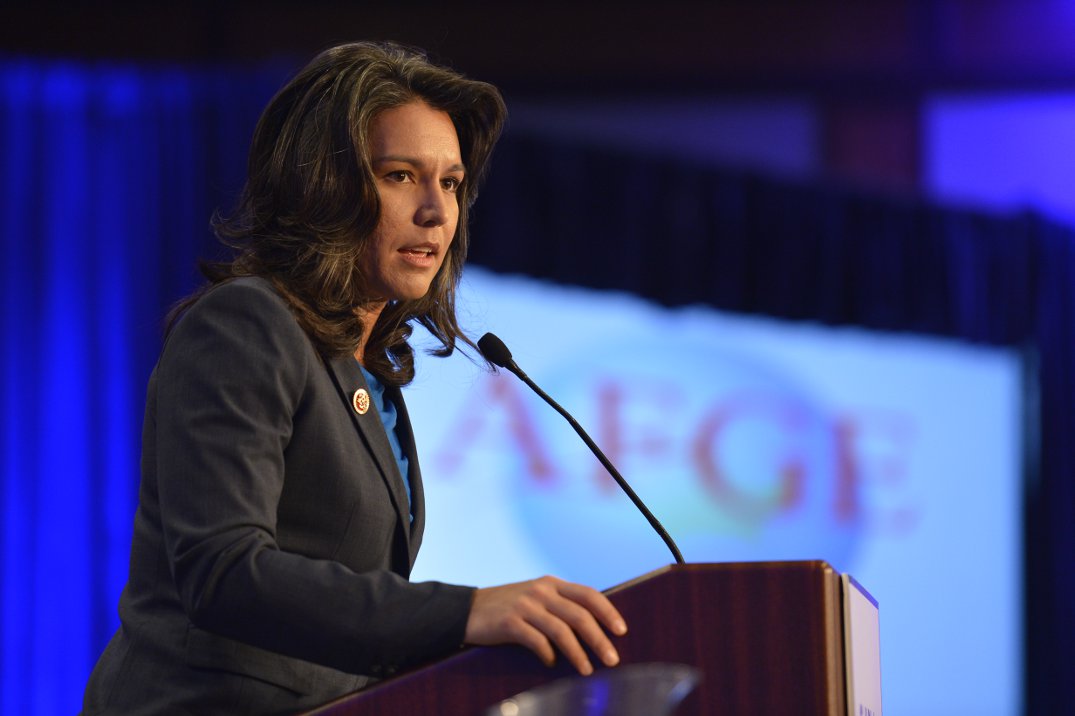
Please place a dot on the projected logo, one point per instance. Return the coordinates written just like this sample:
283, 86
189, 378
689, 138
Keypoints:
733, 457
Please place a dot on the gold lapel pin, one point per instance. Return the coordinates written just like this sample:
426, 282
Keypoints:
361, 401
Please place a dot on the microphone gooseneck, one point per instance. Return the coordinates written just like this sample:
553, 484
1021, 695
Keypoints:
498, 354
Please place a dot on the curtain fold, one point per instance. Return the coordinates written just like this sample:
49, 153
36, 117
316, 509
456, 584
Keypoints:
105, 199
1050, 514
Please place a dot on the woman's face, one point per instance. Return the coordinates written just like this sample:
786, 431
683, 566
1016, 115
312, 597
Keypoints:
418, 169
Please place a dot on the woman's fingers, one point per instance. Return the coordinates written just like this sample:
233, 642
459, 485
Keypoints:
545, 612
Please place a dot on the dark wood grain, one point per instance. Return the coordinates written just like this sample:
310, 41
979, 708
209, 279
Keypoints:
766, 635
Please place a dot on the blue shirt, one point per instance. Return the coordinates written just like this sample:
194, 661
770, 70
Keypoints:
388, 414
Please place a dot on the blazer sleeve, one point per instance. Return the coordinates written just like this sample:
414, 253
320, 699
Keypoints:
232, 377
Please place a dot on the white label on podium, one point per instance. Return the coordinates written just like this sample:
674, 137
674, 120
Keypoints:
862, 648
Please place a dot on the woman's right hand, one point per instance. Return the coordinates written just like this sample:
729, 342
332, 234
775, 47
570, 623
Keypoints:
547, 612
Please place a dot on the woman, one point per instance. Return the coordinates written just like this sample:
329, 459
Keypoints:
281, 509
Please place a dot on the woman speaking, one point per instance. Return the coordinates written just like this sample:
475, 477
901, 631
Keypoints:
281, 503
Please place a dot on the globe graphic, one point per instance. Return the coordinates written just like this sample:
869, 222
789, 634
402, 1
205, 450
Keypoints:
732, 456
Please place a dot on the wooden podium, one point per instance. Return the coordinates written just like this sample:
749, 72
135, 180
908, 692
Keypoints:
769, 638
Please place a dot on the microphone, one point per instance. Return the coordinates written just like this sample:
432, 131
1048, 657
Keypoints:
498, 354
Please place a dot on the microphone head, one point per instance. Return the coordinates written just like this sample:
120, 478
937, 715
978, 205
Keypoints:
495, 351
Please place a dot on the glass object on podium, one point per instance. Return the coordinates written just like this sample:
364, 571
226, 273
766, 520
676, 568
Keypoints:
633, 690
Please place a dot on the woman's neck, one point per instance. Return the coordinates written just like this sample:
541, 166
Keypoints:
368, 315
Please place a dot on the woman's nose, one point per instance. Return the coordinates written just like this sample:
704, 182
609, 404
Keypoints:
434, 208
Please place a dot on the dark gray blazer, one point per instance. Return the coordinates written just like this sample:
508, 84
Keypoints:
273, 539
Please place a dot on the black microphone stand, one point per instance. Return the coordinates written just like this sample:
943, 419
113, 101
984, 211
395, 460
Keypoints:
497, 353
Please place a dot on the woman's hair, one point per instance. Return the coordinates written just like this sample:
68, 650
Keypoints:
310, 206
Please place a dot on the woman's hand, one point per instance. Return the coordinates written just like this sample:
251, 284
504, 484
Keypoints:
545, 612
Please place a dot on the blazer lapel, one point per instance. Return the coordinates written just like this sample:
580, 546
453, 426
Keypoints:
348, 378
414, 478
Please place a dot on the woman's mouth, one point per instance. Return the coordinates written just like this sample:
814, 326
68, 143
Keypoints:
420, 256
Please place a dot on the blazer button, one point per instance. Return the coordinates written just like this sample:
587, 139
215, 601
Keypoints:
390, 670
375, 669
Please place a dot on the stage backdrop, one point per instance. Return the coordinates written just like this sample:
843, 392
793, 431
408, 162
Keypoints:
107, 179
896, 458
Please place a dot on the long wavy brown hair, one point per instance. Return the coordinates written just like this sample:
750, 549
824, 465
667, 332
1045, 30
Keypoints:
310, 205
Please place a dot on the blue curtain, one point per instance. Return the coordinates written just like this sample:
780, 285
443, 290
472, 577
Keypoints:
109, 175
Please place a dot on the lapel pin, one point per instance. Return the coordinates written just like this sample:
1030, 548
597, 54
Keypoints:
361, 401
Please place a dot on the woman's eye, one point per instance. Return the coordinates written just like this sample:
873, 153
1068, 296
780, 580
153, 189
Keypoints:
398, 176
450, 183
